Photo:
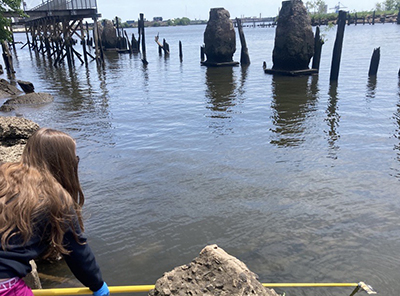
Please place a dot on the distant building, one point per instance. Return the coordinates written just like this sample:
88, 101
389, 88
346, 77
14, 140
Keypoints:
158, 19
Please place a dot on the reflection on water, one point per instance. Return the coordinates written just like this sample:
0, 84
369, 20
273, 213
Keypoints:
293, 99
371, 87
220, 90
396, 117
333, 119
220, 94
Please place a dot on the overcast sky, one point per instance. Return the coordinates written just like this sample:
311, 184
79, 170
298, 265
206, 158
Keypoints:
199, 9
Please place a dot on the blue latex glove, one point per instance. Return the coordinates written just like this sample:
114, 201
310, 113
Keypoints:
103, 291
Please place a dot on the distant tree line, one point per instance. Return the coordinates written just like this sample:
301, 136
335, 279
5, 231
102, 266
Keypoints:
388, 5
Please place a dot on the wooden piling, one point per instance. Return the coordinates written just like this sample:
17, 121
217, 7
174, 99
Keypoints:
27, 37
318, 42
7, 58
244, 54
97, 43
180, 51
83, 41
135, 44
128, 42
373, 67
398, 17
337, 50
144, 60
373, 18
202, 54
165, 47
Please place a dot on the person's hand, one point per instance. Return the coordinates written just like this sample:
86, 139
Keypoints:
103, 291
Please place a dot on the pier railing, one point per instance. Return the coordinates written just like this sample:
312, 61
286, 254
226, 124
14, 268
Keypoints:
65, 5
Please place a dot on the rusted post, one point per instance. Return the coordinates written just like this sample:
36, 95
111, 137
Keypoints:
318, 42
337, 50
373, 67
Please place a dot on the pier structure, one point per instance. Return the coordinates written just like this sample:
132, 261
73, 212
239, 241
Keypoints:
257, 21
53, 24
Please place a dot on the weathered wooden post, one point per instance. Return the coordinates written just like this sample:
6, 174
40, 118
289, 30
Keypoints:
144, 60
83, 43
129, 43
7, 58
87, 34
398, 17
337, 49
165, 47
373, 18
97, 43
180, 51
355, 19
67, 42
318, 42
135, 44
244, 54
373, 67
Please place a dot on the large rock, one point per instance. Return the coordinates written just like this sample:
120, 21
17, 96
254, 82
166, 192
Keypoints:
109, 35
32, 279
26, 86
219, 37
213, 272
30, 99
14, 132
294, 38
8, 90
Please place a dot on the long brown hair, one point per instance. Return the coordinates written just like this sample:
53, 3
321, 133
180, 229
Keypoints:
43, 185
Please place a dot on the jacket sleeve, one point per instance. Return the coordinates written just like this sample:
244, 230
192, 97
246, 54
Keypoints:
81, 260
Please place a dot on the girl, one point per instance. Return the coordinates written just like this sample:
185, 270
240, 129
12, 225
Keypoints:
40, 212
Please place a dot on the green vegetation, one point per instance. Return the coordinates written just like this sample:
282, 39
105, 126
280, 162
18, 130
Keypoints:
8, 6
318, 10
387, 6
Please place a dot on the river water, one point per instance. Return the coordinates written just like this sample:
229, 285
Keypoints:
296, 177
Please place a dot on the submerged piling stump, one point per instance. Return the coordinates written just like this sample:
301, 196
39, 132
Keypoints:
373, 67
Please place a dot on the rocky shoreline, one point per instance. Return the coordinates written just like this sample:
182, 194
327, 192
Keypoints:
15, 130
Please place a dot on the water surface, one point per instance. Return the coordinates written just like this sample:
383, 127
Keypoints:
297, 177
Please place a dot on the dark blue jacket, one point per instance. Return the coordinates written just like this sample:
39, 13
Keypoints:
14, 261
